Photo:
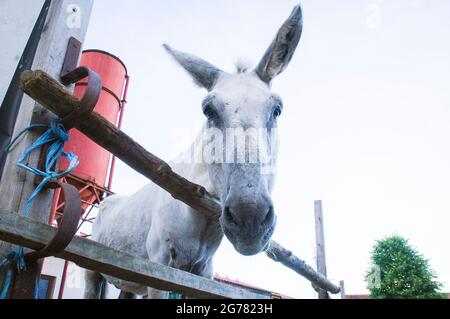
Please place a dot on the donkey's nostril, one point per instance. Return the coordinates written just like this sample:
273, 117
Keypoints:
229, 216
269, 216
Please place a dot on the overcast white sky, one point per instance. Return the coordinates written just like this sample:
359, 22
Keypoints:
365, 123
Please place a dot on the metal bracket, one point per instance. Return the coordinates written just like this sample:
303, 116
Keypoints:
72, 55
68, 225
90, 97
70, 74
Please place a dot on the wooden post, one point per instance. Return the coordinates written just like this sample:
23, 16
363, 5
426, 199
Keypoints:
65, 18
320, 245
342, 286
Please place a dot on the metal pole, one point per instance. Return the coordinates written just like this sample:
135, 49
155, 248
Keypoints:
54, 206
119, 125
63, 280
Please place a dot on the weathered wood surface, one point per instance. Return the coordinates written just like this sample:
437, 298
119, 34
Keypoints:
288, 259
16, 184
320, 245
89, 254
57, 99
342, 286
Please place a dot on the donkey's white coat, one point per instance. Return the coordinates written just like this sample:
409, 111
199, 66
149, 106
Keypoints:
151, 224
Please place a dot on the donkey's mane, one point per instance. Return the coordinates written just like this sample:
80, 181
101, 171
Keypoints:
242, 66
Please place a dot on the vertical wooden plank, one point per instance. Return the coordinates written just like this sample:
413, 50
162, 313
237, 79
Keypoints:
320, 244
66, 18
342, 286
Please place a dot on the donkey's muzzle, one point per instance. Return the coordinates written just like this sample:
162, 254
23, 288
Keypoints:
248, 226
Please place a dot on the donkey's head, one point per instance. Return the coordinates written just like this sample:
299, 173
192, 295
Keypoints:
242, 114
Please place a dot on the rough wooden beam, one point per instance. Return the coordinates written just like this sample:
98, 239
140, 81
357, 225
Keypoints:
89, 254
51, 94
280, 254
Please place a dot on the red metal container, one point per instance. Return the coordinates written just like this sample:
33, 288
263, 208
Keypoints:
90, 175
94, 160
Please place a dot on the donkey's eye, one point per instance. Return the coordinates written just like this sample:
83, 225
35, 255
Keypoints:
277, 111
209, 112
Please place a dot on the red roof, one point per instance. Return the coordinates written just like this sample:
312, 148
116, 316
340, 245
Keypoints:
238, 283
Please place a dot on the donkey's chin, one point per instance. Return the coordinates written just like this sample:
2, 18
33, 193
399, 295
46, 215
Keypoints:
249, 247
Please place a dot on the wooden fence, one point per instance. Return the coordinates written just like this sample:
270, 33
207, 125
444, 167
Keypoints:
91, 255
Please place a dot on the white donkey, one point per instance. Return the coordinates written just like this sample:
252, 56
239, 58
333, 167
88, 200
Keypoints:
152, 224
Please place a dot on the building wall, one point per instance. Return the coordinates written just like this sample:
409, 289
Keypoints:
15, 29
74, 286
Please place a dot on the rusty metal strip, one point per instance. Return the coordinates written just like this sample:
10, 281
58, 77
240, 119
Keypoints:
70, 74
67, 227
90, 97
72, 56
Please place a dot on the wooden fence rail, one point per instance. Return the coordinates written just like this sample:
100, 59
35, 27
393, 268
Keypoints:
16, 229
55, 97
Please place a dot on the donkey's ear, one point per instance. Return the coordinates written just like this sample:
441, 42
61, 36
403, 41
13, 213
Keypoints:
282, 48
203, 73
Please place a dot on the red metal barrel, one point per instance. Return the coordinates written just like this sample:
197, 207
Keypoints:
94, 160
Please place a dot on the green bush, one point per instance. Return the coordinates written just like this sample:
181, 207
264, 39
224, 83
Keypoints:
398, 271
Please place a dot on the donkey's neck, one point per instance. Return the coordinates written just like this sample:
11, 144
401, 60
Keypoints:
190, 164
